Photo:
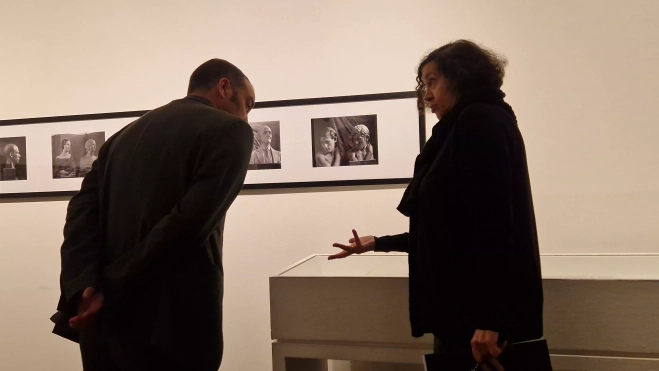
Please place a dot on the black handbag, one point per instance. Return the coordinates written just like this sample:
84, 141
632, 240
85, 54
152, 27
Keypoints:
524, 356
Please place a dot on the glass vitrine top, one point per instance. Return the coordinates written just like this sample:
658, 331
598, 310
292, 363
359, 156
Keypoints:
622, 267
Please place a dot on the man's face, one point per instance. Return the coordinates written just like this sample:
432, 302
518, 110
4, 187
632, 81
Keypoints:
242, 101
266, 135
15, 155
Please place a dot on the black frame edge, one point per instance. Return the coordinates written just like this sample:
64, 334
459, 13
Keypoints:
9, 196
85, 117
257, 105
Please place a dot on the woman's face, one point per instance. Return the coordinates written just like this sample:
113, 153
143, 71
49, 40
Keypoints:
67, 146
328, 143
438, 95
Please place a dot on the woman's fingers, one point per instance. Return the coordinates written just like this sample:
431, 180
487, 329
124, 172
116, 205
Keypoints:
354, 247
340, 255
344, 247
357, 242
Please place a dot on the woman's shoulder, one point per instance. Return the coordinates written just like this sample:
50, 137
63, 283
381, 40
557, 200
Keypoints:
485, 123
485, 117
486, 112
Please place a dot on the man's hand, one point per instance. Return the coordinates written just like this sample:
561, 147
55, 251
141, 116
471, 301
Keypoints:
90, 304
357, 246
485, 348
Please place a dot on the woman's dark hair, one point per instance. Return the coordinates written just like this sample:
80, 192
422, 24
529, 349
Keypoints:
464, 64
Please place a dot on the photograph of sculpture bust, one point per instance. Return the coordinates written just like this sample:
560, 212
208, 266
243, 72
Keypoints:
362, 149
89, 157
13, 159
344, 141
266, 153
74, 154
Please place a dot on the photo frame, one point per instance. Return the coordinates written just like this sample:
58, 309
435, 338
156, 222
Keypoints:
317, 142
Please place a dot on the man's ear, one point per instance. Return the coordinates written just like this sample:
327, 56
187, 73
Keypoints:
224, 88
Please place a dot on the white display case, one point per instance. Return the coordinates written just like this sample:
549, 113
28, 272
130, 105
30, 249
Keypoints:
567, 266
601, 312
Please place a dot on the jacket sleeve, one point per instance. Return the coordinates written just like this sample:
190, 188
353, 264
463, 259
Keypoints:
220, 173
397, 242
82, 246
483, 163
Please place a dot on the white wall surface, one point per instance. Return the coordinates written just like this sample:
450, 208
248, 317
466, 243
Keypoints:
583, 80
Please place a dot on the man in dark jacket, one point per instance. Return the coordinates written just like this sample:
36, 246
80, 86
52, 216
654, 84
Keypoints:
142, 278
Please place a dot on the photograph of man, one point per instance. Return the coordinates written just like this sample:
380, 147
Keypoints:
13, 159
266, 153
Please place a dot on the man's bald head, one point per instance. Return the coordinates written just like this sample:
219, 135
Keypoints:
11, 153
206, 76
225, 86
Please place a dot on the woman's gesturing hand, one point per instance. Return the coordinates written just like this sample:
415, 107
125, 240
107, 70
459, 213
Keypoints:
358, 245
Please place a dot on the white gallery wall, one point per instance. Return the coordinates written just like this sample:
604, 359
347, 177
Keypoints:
582, 78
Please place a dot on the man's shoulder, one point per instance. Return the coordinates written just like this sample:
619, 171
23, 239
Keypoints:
189, 106
227, 126
193, 112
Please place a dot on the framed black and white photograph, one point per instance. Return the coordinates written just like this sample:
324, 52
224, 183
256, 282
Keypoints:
311, 142
266, 153
378, 138
60, 149
345, 141
13, 159
73, 154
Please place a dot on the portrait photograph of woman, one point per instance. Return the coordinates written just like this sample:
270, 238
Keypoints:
74, 154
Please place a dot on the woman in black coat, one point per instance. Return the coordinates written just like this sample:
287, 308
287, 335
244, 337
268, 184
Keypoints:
474, 266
